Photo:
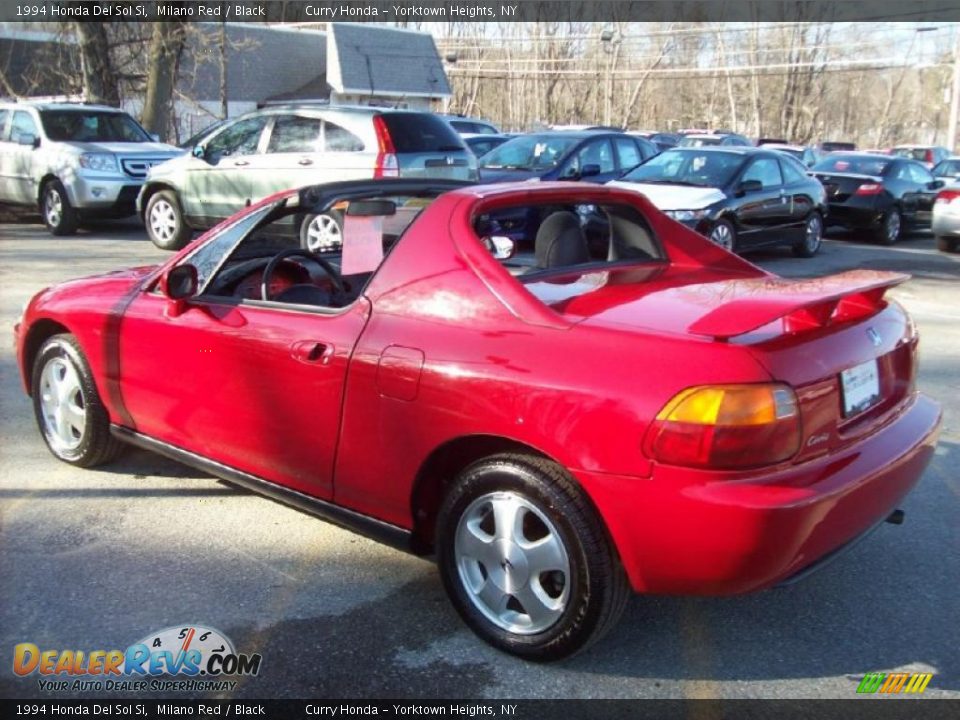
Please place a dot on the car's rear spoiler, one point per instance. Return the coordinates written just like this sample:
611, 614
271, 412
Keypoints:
799, 304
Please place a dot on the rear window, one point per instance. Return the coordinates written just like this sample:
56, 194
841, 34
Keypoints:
919, 153
855, 164
419, 132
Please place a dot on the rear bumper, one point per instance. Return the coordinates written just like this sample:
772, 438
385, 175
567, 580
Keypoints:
710, 533
856, 215
946, 224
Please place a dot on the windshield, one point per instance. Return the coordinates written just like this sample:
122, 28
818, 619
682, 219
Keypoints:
688, 167
948, 168
91, 126
917, 153
529, 152
855, 164
690, 141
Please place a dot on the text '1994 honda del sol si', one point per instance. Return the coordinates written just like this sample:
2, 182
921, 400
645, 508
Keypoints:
560, 424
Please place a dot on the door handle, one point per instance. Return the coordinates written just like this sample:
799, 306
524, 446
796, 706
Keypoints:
305, 161
240, 163
312, 352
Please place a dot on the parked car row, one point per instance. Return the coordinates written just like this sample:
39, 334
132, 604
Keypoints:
77, 162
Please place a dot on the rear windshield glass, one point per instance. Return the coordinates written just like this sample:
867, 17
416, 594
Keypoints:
948, 168
856, 164
912, 153
419, 132
91, 126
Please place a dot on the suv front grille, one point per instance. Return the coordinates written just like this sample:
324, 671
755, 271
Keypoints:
138, 167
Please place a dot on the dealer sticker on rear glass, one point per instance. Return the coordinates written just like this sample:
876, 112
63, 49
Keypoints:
861, 387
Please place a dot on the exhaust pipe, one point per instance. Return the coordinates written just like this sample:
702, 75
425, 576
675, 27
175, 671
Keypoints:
896, 517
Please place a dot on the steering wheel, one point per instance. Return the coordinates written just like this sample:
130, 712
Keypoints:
339, 293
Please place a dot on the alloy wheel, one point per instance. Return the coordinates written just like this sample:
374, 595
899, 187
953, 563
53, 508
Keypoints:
62, 404
163, 220
53, 207
513, 563
813, 235
892, 226
722, 236
323, 233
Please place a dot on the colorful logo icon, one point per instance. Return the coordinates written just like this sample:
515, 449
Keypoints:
894, 683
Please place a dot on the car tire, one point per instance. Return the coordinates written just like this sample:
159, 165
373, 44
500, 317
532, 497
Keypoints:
71, 417
948, 244
891, 227
568, 593
322, 232
812, 237
166, 226
60, 217
724, 234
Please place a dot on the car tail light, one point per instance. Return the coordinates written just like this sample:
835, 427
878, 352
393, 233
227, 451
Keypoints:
869, 189
928, 156
387, 163
945, 197
727, 427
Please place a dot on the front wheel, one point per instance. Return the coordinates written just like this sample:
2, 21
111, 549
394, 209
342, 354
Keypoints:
809, 245
525, 559
60, 217
165, 223
724, 235
71, 416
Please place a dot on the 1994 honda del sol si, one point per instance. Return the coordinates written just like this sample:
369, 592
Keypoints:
559, 422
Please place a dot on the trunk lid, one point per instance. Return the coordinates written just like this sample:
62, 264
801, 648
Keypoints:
840, 186
848, 352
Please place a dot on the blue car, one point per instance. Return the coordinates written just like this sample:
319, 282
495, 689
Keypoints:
592, 156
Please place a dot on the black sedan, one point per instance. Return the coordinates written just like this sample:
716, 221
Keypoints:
877, 193
480, 145
739, 197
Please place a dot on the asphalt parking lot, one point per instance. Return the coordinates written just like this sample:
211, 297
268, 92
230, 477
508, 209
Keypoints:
99, 559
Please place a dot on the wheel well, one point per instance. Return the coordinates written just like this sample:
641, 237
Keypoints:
148, 192
38, 334
43, 182
440, 468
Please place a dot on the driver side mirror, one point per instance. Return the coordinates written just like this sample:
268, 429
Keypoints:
199, 152
28, 139
936, 184
749, 186
179, 284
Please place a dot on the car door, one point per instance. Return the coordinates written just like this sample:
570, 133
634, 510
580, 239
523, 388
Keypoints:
20, 158
926, 193
762, 214
629, 153
291, 157
218, 184
256, 386
797, 186
901, 184
6, 159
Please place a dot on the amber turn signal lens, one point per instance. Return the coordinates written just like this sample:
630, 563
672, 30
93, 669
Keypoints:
728, 427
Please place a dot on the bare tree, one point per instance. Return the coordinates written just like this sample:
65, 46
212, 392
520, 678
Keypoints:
99, 79
165, 47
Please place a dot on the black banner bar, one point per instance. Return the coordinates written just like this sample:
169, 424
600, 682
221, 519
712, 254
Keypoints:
479, 11
856, 709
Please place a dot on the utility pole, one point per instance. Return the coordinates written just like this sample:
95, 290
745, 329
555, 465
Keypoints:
954, 93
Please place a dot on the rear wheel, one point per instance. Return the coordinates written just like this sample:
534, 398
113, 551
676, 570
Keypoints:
323, 232
165, 223
724, 235
809, 245
60, 217
525, 559
891, 225
947, 244
71, 416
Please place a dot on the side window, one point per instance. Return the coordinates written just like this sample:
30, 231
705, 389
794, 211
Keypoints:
294, 134
597, 153
4, 114
920, 175
208, 257
22, 124
627, 153
766, 170
902, 172
241, 138
792, 172
339, 139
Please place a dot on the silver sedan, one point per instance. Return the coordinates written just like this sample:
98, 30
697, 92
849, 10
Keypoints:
946, 218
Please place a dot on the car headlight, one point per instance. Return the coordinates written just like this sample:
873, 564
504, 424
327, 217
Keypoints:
103, 162
686, 215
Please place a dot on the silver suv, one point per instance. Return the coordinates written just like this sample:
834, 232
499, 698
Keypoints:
74, 161
290, 146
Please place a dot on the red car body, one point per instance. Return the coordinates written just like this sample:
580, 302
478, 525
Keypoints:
446, 357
